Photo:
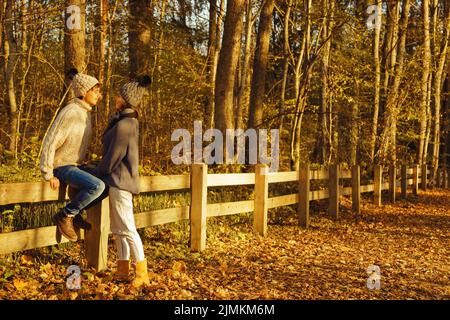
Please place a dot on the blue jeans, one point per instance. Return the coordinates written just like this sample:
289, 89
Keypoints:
90, 188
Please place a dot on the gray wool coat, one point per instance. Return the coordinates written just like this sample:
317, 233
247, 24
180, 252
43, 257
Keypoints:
119, 166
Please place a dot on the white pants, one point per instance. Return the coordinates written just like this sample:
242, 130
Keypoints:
128, 241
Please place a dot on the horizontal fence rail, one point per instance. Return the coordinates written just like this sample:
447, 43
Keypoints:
96, 239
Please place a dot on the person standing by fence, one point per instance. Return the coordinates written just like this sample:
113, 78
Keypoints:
64, 151
119, 169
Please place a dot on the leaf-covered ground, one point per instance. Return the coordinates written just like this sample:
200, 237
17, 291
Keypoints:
409, 241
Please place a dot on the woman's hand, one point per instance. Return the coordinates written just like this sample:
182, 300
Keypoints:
54, 183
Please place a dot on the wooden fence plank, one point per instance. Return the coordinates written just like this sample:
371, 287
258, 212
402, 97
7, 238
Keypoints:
11, 193
281, 201
318, 174
229, 208
345, 174
277, 177
230, 179
161, 216
347, 191
319, 194
367, 188
164, 183
31, 239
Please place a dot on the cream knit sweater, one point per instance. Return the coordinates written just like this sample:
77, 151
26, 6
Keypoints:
67, 139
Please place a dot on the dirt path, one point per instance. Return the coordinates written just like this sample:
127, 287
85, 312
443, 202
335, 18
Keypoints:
409, 241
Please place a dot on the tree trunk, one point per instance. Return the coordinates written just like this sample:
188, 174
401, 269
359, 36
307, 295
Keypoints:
354, 131
260, 66
101, 26
303, 75
25, 68
227, 64
322, 147
159, 73
2, 12
286, 54
446, 131
437, 89
390, 47
74, 37
243, 96
139, 41
10, 51
212, 63
376, 106
428, 117
108, 71
421, 156
139, 37
388, 137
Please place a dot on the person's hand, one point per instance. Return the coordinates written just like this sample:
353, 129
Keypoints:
54, 183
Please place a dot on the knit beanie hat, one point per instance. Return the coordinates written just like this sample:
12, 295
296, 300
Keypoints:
81, 83
133, 91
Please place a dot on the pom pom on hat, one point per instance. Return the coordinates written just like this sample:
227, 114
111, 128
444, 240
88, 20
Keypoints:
144, 81
72, 73
132, 92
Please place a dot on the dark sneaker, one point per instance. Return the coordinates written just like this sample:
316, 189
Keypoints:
80, 223
65, 225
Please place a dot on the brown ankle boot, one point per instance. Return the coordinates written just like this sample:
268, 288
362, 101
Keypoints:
80, 223
141, 274
123, 270
65, 225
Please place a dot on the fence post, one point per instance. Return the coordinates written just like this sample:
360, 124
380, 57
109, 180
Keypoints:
424, 177
199, 174
356, 189
404, 183
415, 186
261, 199
392, 182
97, 238
444, 178
377, 179
438, 178
448, 177
303, 196
333, 188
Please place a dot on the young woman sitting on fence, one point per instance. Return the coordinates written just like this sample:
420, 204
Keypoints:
119, 170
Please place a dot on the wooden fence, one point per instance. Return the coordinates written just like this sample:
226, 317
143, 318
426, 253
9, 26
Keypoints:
96, 240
